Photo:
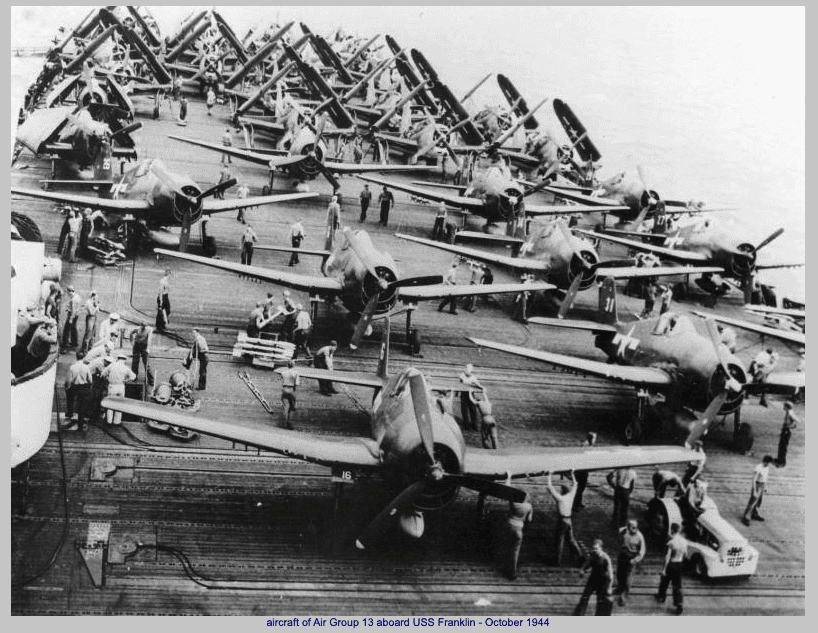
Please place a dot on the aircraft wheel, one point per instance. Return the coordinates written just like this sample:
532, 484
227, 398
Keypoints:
414, 341
700, 568
680, 292
744, 438
633, 432
26, 227
265, 190
658, 522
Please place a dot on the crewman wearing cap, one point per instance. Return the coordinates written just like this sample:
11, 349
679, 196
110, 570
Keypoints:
72, 306
99, 385
141, 339
111, 329
200, 352
117, 374
91, 309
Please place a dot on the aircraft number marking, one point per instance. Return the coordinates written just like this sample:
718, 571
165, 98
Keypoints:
106, 164
609, 306
342, 476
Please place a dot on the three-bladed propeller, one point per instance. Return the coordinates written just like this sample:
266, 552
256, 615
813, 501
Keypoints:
435, 473
364, 254
195, 203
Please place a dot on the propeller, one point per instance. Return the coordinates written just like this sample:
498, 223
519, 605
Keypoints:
651, 194
566, 233
364, 321
700, 426
544, 182
573, 289
770, 238
721, 352
405, 501
196, 203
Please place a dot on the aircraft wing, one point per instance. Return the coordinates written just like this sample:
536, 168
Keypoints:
245, 154
783, 382
358, 168
215, 206
669, 253
406, 143
42, 126
104, 204
307, 283
569, 209
656, 271
790, 312
460, 202
783, 265
784, 335
575, 196
534, 461
517, 263
439, 291
320, 449
346, 377
637, 376
591, 326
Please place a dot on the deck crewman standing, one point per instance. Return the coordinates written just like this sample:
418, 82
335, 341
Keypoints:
248, 241
565, 529
289, 382
323, 360
630, 554
366, 198
672, 570
297, 235
200, 352
600, 582
164, 295
386, 201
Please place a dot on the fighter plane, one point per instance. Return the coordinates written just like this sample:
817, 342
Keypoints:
72, 135
305, 159
419, 447
491, 193
709, 242
151, 197
554, 254
365, 279
673, 368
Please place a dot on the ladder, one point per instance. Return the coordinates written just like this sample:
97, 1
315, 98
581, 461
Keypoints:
256, 392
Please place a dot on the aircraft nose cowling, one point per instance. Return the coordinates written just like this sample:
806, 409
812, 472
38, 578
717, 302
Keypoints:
187, 202
734, 386
576, 267
744, 259
436, 494
311, 165
372, 285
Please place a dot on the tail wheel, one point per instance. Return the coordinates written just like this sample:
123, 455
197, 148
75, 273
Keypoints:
633, 432
744, 438
26, 227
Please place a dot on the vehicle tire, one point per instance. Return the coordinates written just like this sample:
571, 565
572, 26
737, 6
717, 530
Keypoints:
265, 190
633, 431
414, 341
26, 227
744, 438
658, 522
680, 291
700, 568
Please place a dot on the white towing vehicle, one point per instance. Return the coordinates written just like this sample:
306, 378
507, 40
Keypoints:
717, 549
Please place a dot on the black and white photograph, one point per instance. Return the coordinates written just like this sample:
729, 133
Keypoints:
378, 316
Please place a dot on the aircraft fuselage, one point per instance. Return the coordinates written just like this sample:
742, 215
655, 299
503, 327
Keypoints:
671, 342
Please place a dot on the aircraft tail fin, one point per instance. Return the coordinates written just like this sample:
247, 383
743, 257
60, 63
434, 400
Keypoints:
383, 358
103, 163
607, 302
